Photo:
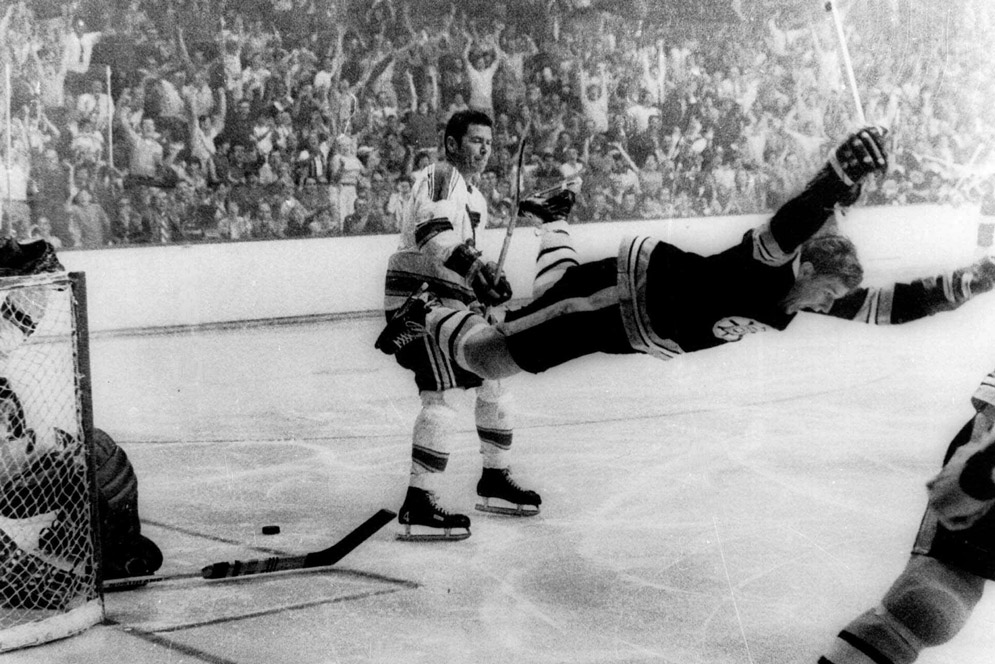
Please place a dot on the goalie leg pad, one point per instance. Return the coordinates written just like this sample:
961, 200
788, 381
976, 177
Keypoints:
932, 600
41, 584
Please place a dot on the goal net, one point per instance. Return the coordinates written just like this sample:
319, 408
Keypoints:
49, 572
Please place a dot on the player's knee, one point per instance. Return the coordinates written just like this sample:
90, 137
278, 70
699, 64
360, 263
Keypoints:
487, 354
932, 601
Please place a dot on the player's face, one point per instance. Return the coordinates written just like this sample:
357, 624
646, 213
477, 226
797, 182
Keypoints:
814, 292
471, 154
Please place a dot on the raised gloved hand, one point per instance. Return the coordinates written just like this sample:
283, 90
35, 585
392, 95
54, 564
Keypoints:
860, 155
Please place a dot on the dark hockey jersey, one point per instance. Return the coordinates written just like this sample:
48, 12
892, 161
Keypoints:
695, 302
702, 301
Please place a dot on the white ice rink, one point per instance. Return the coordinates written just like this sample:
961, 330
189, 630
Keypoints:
736, 506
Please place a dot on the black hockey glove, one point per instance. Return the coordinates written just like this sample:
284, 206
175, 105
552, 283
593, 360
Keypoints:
983, 275
490, 286
860, 155
550, 209
976, 478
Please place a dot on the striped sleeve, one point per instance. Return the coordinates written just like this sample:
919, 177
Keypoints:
984, 396
434, 216
766, 248
866, 305
907, 302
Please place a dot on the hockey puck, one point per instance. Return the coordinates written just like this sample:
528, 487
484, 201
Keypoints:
271, 530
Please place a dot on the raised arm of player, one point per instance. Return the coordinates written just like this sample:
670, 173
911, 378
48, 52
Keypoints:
838, 182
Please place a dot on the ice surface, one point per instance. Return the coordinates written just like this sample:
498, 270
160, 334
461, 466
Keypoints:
734, 506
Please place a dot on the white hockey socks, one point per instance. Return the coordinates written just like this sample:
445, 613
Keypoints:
431, 441
493, 414
556, 255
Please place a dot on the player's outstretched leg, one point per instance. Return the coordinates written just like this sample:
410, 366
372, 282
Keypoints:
501, 494
556, 251
407, 323
425, 521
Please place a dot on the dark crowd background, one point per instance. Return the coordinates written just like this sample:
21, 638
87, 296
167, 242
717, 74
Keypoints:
140, 121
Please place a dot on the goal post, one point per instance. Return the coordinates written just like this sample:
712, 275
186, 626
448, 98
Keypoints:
49, 539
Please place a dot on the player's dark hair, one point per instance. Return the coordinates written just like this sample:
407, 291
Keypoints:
460, 123
834, 255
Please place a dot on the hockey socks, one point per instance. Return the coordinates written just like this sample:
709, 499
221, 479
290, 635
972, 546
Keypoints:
556, 255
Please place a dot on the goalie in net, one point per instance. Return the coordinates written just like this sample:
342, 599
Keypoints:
46, 555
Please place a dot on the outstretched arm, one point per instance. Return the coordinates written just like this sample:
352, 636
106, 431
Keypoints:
838, 182
906, 302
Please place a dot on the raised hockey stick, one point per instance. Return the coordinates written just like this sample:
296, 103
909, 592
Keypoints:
831, 8
225, 570
518, 193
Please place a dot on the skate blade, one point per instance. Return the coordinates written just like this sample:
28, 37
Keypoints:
428, 534
498, 506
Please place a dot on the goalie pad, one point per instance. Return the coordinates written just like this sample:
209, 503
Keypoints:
126, 552
42, 583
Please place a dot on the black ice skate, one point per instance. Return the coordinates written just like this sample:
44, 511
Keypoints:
502, 495
407, 323
425, 521
548, 210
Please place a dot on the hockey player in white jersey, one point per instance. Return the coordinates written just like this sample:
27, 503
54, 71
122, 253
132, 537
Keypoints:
953, 555
438, 250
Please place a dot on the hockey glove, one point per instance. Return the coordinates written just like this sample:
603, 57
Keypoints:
550, 209
963, 491
489, 287
983, 275
860, 155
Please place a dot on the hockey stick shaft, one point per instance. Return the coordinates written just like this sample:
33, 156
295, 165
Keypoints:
847, 64
322, 558
518, 193
222, 570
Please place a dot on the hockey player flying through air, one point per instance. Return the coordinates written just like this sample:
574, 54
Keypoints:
658, 299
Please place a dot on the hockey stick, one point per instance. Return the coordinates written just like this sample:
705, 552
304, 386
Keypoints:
518, 193
226, 570
831, 8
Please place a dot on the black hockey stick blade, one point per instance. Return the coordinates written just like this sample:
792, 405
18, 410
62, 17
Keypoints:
325, 557
129, 582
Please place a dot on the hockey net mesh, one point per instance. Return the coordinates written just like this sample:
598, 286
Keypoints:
48, 557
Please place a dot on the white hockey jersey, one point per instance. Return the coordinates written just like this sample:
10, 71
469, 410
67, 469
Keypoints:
446, 211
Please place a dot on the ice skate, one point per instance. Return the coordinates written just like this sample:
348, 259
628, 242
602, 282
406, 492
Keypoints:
548, 209
500, 494
425, 521
407, 323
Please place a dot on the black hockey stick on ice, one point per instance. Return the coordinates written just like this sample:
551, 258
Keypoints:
226, 570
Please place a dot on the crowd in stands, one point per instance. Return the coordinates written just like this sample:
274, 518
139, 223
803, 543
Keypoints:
135, 121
